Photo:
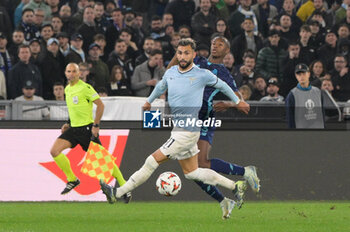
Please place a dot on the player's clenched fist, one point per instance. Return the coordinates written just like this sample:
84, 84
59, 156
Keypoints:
146, 106
243, 107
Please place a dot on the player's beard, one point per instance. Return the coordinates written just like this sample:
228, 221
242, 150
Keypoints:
185, 65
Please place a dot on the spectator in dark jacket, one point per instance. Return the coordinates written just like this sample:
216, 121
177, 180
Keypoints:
5, 23
317, 35
76, 53
100, 19
343, 47
289, 64
341, 78
98, 68
22, 72
269, 61
306, 50
28, 27
17, 40
6, 61
68, 22
118, 85
264, 13
229, 62
237, 18
203, 23
147, 48
182, 11
286, 31
119, 57
52, 68
132, 50
327, 52
318, 72
246, 41
248, 69
289, 9
113, 31
88, 29
259, 90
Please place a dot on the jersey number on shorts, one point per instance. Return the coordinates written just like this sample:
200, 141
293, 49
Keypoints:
169, 143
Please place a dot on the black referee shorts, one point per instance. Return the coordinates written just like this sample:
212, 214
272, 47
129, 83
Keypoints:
79, 135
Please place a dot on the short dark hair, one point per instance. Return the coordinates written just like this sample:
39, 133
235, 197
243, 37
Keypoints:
248, 55
23, 46
119, 41
293, 43
127, 30
155, 52
26, 10
99, 4
156, 18
248, 18
148, 38
343, 25
341, 55
184, 26
99, 37
88, 6
224, 39
305, 27
58, 83
18, 30
46, 25
117, 10
187, 41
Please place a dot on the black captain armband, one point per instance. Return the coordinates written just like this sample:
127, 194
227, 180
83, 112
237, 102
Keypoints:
96, 125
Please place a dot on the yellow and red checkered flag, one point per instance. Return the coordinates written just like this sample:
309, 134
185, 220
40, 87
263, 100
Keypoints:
99, 162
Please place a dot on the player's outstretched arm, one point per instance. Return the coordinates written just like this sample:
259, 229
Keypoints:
225, 89
224, 105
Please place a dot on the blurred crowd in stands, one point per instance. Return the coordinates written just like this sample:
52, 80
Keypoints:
123, 46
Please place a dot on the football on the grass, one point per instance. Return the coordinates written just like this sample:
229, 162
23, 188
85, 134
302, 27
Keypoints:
168, 184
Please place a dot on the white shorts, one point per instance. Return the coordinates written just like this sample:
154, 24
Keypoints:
181, 145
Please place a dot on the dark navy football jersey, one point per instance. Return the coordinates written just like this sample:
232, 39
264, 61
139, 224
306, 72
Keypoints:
209, 92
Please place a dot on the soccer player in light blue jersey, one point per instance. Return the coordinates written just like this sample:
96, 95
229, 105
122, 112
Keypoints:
218, 50
185, 84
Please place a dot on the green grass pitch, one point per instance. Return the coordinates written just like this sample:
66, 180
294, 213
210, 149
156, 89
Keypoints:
175, 216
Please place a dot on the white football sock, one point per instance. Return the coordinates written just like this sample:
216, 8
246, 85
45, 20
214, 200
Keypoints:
139, 176
210, 177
